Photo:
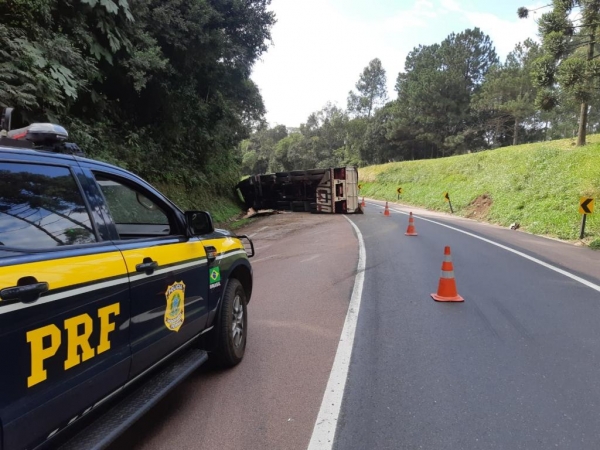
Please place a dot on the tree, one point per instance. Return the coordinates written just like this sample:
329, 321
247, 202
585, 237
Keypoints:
159, 87
325, 140
289, 154
380, 139
435, 92
508, 93
372, 90
569, 61
422, 98
259, 151
325, 133
355, 144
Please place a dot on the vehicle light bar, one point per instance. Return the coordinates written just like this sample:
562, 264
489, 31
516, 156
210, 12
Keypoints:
40, 133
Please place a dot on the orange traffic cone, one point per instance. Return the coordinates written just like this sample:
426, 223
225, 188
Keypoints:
447, 288
363, 204
386, 211
410, 231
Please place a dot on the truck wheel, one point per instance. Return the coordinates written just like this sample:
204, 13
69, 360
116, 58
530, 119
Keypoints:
233, 325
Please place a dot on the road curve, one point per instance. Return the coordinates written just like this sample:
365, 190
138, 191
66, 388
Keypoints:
513, 367
304, 273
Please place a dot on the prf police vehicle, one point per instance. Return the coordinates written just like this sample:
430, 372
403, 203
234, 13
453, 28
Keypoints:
109, 294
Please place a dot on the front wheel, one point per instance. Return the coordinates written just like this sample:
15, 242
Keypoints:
233, 325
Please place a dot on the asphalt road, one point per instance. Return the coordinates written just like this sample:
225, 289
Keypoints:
513, 367
304, 273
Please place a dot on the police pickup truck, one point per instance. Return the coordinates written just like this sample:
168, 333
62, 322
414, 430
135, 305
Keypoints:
110, 295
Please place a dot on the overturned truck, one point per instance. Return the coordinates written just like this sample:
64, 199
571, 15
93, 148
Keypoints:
332, 190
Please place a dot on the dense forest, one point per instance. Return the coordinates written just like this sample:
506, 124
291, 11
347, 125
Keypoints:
452, 98
164, 89
160, 87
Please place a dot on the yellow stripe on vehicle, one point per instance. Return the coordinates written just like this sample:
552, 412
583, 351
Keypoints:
164, 255
64, 272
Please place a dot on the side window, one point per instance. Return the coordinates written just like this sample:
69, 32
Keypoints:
41, 207
135, 215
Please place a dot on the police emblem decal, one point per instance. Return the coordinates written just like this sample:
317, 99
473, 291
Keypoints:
174, 314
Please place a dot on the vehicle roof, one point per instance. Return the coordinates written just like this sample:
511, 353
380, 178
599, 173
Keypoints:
48, 156
34, 152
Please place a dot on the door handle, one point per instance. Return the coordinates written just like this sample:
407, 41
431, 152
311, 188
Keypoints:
24, 292
148, 266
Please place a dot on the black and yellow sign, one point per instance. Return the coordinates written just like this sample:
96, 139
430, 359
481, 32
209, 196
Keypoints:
399, 190
359, 187
586, 205
446, 196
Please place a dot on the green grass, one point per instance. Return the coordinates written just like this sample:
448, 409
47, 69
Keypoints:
240, 223
537, 185
224, 210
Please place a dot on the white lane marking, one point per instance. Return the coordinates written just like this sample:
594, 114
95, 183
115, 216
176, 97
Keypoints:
310, 259
512, 250
258, 231
324, 431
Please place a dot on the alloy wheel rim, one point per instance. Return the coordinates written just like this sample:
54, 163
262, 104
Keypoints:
237, 322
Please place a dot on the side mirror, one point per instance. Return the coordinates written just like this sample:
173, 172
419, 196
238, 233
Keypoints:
199, 222
5, 119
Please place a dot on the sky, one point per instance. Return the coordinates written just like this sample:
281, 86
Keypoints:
320, 47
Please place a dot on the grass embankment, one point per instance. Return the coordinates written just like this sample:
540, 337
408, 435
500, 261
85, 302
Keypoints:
537, 185
224, 210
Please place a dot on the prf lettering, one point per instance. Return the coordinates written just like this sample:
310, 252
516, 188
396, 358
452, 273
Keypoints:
44, 342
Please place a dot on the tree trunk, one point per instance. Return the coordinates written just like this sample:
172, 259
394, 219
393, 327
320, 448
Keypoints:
516, 129
583, 115
582, 124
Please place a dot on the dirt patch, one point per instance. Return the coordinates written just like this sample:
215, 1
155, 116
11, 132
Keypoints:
479, 208
277, 226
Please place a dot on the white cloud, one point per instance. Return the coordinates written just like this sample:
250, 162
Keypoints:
450, 5
319, 51
504, 33
417, 17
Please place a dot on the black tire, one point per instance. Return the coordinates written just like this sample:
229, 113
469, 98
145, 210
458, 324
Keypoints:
231, 342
